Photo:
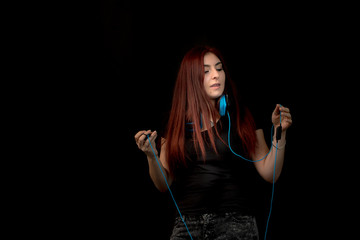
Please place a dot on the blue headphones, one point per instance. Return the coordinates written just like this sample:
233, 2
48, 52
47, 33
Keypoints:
223, 104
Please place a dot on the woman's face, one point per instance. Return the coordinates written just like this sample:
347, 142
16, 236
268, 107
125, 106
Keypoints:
214, 80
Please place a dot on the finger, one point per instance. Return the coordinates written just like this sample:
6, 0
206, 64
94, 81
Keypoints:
154, 133
277, 109
138, 134
147, 132
149, 140
284, 109
150, 137
153, 136
287, 121
143, 135
142, 139
145, 145
285, 114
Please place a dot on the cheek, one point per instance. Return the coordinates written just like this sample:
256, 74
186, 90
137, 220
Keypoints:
222, 77
206, 82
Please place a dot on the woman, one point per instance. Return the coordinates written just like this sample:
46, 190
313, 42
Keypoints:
195, 153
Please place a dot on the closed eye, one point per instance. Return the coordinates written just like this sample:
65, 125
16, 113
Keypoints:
218, 67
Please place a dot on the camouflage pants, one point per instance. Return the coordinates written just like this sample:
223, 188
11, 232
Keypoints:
216, 227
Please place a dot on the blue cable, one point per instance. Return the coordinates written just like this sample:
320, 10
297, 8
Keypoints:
169, 187
273, 186
272, 193
273, 183
240, 155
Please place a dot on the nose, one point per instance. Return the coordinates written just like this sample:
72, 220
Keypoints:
214, 74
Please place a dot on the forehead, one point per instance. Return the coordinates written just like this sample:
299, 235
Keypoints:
210, 59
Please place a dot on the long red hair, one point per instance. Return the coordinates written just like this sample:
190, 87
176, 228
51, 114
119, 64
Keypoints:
190, 103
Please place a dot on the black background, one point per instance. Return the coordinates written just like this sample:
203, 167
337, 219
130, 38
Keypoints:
125, 62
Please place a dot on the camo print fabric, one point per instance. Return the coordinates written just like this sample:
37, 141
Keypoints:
229, 226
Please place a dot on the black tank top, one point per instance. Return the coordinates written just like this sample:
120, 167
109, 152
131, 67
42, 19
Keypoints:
221, 183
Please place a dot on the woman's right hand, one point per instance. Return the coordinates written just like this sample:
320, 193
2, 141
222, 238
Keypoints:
143, 143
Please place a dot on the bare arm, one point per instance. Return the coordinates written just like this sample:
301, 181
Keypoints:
266, 167
157, 169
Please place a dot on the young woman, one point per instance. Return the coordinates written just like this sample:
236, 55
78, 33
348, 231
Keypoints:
195, 155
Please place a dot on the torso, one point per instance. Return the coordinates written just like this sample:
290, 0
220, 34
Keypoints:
221, 183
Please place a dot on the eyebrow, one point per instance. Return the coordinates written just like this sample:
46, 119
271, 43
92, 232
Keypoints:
206, 65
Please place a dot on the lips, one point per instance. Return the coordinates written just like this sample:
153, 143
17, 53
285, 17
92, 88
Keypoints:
215, 85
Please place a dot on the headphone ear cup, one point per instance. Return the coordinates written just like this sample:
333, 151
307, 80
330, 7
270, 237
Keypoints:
223, 105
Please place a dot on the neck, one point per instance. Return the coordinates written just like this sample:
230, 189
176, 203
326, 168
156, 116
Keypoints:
212, 103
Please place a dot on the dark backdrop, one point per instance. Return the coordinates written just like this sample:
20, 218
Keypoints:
128, 69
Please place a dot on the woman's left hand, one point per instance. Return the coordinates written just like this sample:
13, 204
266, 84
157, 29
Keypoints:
286, 120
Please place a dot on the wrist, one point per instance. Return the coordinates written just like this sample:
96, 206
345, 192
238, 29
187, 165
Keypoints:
283, 132
279, 145
151, 154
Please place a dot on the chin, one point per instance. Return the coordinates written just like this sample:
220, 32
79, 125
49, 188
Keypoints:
216, 95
